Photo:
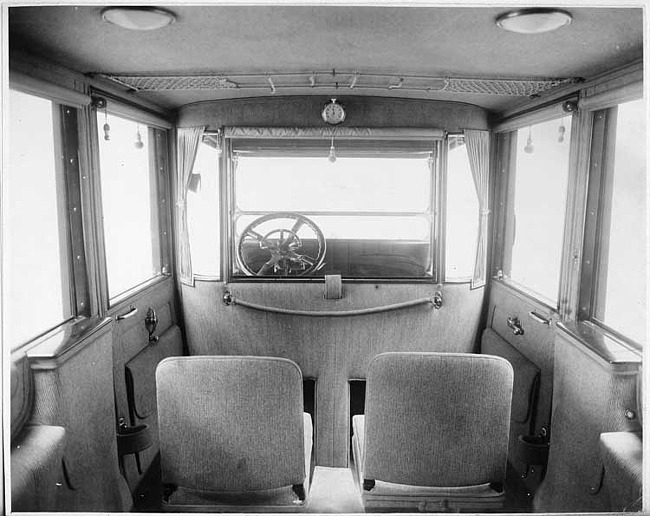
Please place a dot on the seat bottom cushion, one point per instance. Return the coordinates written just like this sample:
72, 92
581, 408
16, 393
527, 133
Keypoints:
387, 496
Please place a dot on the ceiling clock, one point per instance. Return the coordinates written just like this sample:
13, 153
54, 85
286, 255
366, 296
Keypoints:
333, 113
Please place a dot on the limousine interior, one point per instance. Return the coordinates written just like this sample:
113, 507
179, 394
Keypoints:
324, 257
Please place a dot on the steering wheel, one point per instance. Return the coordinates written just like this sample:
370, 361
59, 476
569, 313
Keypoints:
283, 248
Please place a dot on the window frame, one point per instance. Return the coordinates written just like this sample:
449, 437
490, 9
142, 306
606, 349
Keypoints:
217, 138
598, 205
444, 209
229, 211
159, 173
504, 166
66, 118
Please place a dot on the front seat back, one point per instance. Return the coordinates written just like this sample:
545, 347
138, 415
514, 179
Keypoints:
230, 424
437, 419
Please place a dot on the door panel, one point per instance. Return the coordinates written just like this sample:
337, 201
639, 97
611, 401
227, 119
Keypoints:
536, 344
132, 341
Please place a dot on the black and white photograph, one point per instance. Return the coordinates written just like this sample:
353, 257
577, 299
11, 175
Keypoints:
324, 257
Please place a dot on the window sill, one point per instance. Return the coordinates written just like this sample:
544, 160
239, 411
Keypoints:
527, 293
137, 289
63, 342
602, 343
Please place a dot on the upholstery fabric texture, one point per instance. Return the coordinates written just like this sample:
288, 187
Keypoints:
333, 350
590, 397
141, 371
437, 419
282, 499
22, 395
388, 495
36, 467
622, 454
526, 375
230, 424
78, 395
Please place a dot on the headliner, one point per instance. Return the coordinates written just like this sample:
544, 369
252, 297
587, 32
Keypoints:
392, 40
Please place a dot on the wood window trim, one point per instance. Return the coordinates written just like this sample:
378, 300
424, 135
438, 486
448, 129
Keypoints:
69, 196
504, 183
159, 170
229, 162
598, 207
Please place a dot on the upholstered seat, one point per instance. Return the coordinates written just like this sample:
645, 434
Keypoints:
233, 435
434, 436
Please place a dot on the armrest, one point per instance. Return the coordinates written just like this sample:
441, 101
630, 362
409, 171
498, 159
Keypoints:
622, 454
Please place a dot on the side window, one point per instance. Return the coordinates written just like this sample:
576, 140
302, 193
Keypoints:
615, 256
130, 192
203, 210
44, 280
462, 213
536, 205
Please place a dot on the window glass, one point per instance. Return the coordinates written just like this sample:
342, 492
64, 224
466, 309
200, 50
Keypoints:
537, 207
373, 211
620, 301
348, 184
462, 213
129, 204
203, 211
36, 268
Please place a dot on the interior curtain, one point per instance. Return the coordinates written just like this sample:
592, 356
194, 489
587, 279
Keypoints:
478, 150
188, 141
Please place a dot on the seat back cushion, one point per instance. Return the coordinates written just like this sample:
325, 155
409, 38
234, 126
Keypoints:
437, 419
230, 423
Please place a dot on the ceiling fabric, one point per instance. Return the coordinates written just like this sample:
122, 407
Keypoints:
320, 133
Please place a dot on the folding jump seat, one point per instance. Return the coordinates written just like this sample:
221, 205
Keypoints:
434, 436
233, 435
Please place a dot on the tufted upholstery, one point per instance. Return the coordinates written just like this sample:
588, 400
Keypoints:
435, 424
231, 427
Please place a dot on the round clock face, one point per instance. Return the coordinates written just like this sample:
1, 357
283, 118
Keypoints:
333, 113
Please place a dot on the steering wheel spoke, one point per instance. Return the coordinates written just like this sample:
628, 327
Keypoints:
287, 254
254, 234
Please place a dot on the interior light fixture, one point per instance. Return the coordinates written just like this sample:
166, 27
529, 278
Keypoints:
138, 18
529, 148
332, 154
534, 20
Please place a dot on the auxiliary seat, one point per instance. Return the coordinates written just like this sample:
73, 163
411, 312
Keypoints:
434, 436
233, 434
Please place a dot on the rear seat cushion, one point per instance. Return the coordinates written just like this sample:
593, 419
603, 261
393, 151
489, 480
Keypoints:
622, 454
36, 467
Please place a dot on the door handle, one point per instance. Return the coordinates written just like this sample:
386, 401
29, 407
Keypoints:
539, 318
132, 311
515, 325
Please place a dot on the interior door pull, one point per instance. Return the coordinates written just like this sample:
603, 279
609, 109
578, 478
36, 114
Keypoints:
132, 311
538, 318
515, 325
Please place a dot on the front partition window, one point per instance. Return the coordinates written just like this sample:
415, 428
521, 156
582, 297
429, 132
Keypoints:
129, 204
364, 213
536, 207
